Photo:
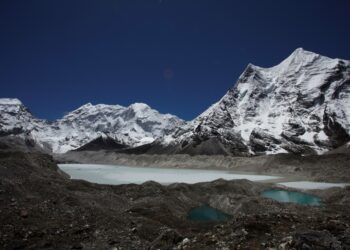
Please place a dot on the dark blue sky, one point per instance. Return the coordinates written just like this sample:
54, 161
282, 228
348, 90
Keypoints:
178, 56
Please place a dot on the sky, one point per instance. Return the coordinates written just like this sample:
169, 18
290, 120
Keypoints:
178, 56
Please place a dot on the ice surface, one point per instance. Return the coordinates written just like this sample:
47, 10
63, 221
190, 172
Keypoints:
312, 185
108, 174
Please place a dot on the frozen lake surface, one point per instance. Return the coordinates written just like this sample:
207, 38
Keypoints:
311, 185
293, 197
109, 174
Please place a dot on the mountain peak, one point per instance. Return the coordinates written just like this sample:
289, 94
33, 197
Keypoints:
100, 106
87, 105
297, 59
299, 50
10, 101
251, 66
300, 56
301, 53
139, 106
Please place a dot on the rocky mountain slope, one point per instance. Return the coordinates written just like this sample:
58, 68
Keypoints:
135, 125
301, 106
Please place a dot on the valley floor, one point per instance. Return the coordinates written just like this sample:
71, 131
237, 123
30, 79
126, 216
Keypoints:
41, 208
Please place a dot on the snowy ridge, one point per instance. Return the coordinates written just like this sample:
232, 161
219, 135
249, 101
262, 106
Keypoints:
135, 125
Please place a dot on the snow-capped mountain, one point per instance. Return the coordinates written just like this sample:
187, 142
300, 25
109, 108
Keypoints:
15, 118
301, 105
135, 125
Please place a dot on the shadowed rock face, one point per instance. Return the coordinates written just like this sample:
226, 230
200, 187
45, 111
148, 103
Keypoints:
338, 136
102, 143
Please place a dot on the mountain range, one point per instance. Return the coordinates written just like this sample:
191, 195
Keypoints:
301, 106
130, 126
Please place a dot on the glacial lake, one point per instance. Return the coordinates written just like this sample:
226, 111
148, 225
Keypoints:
292, 197
205, 214
115, 175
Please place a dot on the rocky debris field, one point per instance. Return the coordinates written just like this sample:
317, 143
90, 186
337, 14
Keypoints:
41, 208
